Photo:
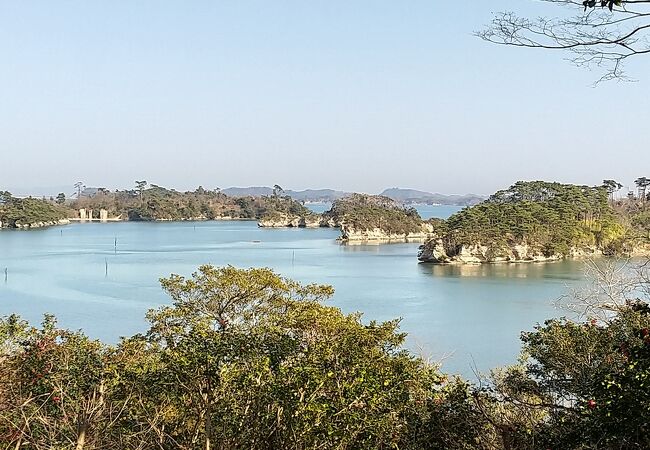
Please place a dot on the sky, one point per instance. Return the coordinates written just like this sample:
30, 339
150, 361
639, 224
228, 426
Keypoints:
357, 96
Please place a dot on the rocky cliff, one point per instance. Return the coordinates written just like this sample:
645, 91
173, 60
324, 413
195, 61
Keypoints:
436, 250
361, 218
351, 234
296, 221
29, 212
378, 219
531, 221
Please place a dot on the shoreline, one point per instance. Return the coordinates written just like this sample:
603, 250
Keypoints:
76, 220
192, 219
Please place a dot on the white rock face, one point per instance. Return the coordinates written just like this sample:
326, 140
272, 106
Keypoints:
288, 221
350, 234
435, 251
26, 226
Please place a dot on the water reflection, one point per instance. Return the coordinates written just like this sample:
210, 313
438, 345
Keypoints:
568, 270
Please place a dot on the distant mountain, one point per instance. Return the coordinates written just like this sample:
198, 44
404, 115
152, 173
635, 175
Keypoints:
329, 195
414, 196
317, 195
253, 191
40, 191
308, 195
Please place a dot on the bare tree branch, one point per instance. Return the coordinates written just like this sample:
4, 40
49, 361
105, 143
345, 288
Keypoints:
603, 33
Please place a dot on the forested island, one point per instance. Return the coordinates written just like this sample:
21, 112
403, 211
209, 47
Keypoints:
152, 203
376, 218
159, 203
29, 212
542, 221
361, 218
529, 221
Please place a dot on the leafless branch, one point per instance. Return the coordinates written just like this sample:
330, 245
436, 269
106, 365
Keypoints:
593, 34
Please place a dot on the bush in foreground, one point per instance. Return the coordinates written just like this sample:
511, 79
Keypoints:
246, 359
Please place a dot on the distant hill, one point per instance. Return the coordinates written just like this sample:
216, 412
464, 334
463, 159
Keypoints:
406, 196
308, 195
317, 195
414, 196
252, 191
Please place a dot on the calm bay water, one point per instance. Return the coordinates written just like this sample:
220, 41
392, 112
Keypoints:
472, 314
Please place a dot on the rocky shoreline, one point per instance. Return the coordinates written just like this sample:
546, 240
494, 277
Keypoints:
350, 234
434, 251
291, 221
362, 219
42, 224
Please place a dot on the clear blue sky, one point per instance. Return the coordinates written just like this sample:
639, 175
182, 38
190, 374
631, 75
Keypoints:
355, 95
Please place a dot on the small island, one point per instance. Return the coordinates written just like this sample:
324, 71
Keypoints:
376, 218
541, 221
362, 218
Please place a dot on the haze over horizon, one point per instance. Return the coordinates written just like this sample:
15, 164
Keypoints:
70, 190
354, 97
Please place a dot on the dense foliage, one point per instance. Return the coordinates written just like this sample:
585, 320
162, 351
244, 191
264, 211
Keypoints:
245, 359
241, 359
366, 212
591, 380
159, 203
552, 217
25, 211
635, 214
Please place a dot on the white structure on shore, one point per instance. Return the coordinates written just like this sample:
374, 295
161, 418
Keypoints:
87, 215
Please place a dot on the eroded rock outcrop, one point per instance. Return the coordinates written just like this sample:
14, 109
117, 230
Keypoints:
533, 221
40, 224
294, 221
361, 218
437, 250
351, 234
377, 219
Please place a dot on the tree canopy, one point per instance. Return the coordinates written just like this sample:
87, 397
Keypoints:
552, 216
16, 211
366, 212
159, 203
247, 359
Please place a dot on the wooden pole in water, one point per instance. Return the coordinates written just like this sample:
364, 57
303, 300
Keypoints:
106, 267
293, 257
6, 273
115, 245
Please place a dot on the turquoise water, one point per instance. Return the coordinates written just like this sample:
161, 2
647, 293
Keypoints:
437, 211
472, 314
425, 211
319, 207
